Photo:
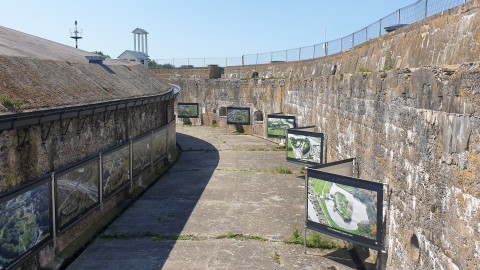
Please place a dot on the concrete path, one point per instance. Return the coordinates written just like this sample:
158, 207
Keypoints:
224, 184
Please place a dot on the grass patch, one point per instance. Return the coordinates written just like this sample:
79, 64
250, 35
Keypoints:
214, 124
166, 216
314, 240
10, 103
265, 149
389, 63
364, 70
170, 237
241, 237
302, 169
115, 235
282, 170
276, 258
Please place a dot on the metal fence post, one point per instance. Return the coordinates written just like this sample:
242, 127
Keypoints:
380, 28
426, 8
299, 52
314, 46
366, 33
256, 61
204, 64
286, 55
353, 40
341, 44
271, 57
398, 16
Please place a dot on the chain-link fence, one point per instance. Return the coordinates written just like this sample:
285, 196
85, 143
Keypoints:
409, 14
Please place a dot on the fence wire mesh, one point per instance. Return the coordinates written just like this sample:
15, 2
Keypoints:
406, 15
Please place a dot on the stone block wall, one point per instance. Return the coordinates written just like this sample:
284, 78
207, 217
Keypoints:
406, 105
28, 154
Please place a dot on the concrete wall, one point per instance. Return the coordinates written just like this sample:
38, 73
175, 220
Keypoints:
413, 125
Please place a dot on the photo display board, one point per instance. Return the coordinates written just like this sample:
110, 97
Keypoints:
159, 144
238, 116
115, 169
77, 191
344, 207
277, 125
305, 146
25, 222
187, 110
141, 155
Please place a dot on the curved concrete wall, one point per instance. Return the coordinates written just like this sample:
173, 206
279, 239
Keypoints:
411, 119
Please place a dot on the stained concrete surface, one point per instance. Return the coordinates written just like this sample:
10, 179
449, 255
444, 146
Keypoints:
223, 183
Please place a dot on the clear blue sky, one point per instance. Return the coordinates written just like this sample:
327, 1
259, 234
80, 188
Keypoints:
195, 28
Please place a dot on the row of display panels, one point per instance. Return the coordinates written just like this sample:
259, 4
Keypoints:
337, 204
235, 115
303, 145
27, 221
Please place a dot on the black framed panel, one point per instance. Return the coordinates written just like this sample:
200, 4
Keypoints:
115, 169
345, 207
141, 154
278, 124
305, 147
187, 110
159, 144
25, 222
238, 116
77, 191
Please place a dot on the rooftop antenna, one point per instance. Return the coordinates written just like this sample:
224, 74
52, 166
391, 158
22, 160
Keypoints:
76, 34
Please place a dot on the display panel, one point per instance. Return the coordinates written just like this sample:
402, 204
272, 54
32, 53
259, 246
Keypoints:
278, 124
115, 169
345, 207
141, 155
187, 110
25, 222
304, 146
172, 136
159, 144
77, 191
238, 116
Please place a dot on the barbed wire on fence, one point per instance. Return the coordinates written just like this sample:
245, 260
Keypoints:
406, 15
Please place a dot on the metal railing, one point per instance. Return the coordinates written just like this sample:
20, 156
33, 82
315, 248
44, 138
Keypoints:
406, 15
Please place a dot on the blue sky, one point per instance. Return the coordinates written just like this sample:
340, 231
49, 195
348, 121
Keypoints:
194, 28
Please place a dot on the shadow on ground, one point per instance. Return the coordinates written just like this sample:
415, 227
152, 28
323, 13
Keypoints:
145, 234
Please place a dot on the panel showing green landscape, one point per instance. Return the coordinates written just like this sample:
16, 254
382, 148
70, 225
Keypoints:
24, 223
159, 144
77, 190
187, 110
239, 116
305, 148
346, 208
141, 155
277, 127
115, 169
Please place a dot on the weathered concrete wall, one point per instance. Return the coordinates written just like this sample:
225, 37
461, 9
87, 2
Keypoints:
414, 126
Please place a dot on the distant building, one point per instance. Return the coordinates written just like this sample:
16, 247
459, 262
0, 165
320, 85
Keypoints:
140, 48
133, 56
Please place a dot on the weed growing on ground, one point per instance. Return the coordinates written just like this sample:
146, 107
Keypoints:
314, 240
276, 258
115, 235
282, 170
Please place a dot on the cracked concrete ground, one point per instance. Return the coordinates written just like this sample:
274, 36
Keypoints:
223, 184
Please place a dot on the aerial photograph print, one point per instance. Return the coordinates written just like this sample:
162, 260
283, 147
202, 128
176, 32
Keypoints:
347, 208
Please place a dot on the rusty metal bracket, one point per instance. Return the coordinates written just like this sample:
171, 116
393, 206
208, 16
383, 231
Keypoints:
81, 124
